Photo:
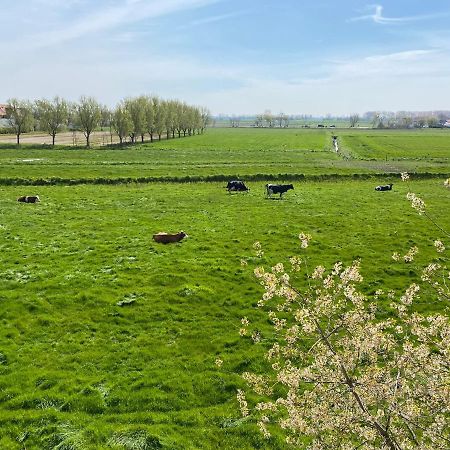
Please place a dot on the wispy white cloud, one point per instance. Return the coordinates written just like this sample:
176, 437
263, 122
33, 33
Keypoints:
217, 18
107, 18
377, 17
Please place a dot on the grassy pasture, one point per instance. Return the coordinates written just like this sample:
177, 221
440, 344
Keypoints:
79, 371
229, 152
398, 144
108, 340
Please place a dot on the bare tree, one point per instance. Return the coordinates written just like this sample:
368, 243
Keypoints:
20, 116
52, 115
122, 121
205, 118
136, 108
269, 118
259, 122
89, 114
160, 113
354, 119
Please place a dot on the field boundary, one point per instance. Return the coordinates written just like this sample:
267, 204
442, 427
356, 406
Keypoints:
54, 181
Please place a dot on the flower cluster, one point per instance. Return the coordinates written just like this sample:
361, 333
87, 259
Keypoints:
439, 246
345, 377
304, 239
416, 202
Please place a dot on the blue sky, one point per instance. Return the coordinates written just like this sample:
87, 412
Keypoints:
235, 57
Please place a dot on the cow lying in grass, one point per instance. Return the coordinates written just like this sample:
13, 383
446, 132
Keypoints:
386, 187
278, 189
237, 186
166, 238
29, 199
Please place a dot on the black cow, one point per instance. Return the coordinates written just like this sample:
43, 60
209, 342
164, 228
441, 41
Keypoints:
278, 189
385, 187
29, 199
237, 186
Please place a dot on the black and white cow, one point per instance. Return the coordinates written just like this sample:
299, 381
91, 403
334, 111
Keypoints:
278, 189
386, 187
237, 186
29, 199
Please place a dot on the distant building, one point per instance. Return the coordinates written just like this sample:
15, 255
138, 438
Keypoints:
2, 111
447, 124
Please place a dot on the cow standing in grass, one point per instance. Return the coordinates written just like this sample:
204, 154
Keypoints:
278, 189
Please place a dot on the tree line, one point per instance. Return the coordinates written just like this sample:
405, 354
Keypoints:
132, 119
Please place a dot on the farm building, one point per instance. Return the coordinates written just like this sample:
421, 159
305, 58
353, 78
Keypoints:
2, 111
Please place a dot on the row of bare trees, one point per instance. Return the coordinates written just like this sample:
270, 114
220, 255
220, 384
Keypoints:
132, 119
267, 119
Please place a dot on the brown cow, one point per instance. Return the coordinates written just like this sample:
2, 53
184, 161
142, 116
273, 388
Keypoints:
166, 238
29, 199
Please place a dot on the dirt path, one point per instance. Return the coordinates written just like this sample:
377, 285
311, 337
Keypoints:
67, 138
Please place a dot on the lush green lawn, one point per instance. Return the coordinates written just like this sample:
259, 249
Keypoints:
77, 369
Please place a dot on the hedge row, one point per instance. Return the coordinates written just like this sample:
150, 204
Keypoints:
214, 178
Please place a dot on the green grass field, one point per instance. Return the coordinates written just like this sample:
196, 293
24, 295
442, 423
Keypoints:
236, 152
108, 340
398, 144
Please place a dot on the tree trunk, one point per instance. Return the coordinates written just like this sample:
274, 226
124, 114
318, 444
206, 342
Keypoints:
159, 136
53, 139
179, 134
167, 133
18, 138
87, 140
142, 138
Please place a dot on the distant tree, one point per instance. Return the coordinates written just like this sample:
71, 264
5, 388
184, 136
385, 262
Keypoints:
205, 118
149, 117
197, 120
259, 122
122, 122
432, 121
137, 108
420, 122
169, 118
89, 114
160, 114
378, 120
52, 115
406, 121
354, 119
269, 118
20, 116
107, 120
235, 121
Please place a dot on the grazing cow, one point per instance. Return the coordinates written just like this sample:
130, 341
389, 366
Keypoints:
278, 189
237, 186
386, 187
29, 199
166, 238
